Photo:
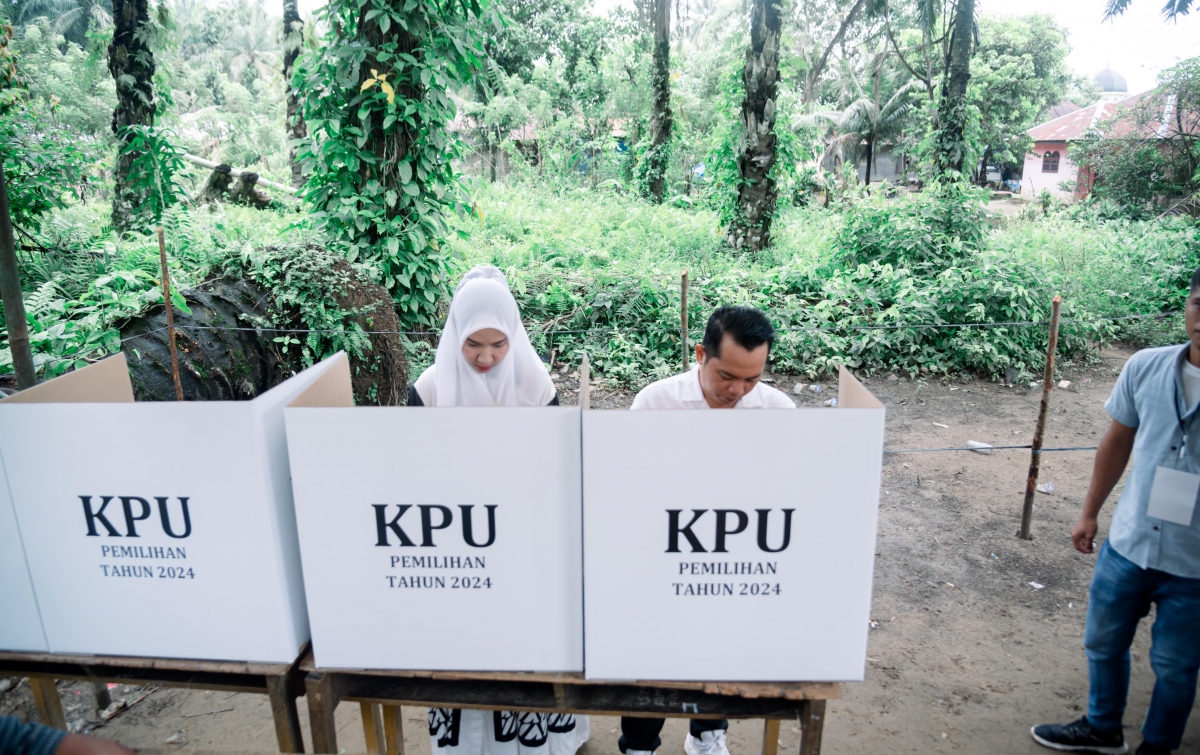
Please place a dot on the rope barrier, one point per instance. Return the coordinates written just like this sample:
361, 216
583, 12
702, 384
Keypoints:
665, 329
985, 449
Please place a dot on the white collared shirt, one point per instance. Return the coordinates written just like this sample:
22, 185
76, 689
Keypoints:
683, 392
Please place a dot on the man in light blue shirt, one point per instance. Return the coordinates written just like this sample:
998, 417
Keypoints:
1152, 555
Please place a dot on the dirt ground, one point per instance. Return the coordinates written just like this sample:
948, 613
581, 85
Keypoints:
965, 654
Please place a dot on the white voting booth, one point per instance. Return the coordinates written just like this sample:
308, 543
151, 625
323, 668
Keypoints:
731, 546
21, 628
438, 538
159, 529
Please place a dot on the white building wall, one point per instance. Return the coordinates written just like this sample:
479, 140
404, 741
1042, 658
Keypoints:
1033, 180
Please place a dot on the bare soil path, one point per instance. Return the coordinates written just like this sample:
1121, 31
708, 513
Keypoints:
965, 654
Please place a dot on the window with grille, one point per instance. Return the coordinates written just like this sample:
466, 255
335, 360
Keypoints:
1050, 162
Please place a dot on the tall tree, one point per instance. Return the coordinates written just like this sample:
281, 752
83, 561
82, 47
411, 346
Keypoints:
380, 157
131, 63
757, 193
950, 142
1018, 72
864, 124
826, 29
293, 40
658, 154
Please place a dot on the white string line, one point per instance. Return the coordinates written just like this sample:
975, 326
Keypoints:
985, 449
664, 329
667, 329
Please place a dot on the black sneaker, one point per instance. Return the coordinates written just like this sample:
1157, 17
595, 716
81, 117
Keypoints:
1079, 736
1145, 748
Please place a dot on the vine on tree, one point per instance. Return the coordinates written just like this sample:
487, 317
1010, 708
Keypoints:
379, 154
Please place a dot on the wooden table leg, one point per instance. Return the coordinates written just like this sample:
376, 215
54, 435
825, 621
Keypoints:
324, 692
100, 693
49, 705
282, 692
770, 736
812, 723
393, 726
372, 722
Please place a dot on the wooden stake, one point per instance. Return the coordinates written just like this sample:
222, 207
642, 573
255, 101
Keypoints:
166, 284
585, 387
683, 321
1035, 459
12, 299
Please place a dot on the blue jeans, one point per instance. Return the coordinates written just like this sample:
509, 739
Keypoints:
1120, 596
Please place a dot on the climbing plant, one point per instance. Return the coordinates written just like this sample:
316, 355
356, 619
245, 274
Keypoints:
379, 153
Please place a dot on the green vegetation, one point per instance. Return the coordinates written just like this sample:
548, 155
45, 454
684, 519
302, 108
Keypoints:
611, 265
611, 153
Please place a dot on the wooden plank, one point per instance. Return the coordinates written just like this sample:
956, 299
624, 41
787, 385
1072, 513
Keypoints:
610, 699
812, 725
393, 729
770, 744
49, 705
169, 677
372, 723
282, 692
785, 690
131, 662
324, 693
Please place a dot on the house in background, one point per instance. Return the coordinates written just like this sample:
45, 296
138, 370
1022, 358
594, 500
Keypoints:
1048, 165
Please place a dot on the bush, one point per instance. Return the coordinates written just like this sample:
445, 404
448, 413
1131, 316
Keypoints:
607, 266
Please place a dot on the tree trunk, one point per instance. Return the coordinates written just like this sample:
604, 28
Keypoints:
394, 147
658, 155
131, 63
951, 145
293, 41
751, 228
493, 158
818, 68
11, 298
870, 156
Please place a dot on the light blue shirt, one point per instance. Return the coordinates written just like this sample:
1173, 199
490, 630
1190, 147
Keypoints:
1148, 396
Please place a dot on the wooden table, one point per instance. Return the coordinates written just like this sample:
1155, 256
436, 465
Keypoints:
281, 682
381, 693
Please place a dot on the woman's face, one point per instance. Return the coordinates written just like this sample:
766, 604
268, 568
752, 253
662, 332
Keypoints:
484, 349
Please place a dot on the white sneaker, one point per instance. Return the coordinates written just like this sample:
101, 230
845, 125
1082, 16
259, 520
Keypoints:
709, 743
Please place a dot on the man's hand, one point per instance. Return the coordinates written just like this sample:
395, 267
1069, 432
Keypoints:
1084, 533
1111, 457
79, 744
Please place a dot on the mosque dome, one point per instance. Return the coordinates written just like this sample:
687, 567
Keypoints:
1111, 81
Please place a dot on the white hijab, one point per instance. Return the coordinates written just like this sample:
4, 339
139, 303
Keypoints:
482, 300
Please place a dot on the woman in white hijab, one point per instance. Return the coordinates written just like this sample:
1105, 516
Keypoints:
484, 358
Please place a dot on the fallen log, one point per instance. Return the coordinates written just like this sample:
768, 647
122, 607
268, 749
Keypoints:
236, 173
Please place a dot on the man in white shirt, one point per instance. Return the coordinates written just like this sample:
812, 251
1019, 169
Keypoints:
728, 375
730, 362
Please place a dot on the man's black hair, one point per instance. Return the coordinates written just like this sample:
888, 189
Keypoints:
748, 327
1195, 280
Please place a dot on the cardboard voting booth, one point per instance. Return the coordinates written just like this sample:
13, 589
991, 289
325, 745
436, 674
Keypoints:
159, 529
21, 627
439, 538
731, 546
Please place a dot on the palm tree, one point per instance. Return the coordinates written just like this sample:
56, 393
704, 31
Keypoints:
253, 44
863, 124
71, 18
1171, 11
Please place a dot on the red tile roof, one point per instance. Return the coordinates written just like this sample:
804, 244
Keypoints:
1117, 119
